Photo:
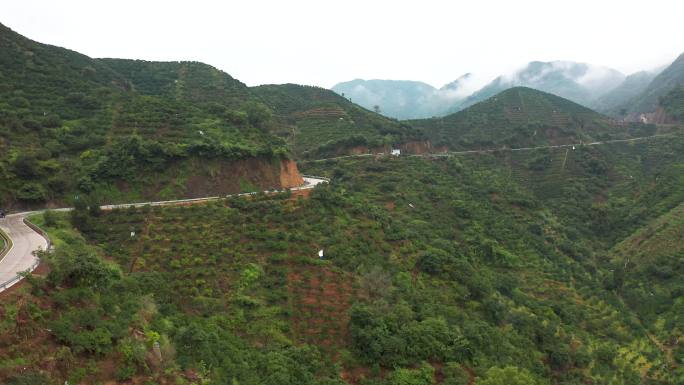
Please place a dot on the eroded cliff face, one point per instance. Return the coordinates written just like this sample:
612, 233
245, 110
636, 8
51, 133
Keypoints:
416, 147
192, 178
289, 174
221, 177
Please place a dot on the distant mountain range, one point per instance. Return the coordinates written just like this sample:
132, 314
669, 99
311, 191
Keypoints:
517, 117
613, 101
665, 82
600, 88
580, 82
404, 99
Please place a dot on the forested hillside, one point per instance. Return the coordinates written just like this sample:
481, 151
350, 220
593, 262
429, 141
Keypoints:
523, 117
666, 81
673, 103
472, 269
580, 82
542, 265
317, 122
73, 125
613, 103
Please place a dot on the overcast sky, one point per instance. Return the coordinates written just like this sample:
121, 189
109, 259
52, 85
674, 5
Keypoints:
325, 42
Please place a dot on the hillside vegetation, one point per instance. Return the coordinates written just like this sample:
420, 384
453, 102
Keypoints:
673, 103
523, 117
647, 101
71, 125
541, 266
317, 122
434, 271
613, 102
580, 82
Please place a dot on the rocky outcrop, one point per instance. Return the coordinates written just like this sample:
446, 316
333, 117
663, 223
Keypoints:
416, 147
255, 174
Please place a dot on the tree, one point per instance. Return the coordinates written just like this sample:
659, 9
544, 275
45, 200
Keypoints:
422, 376
32, 192
510, 375
454, 374
26, 166
257, 114
78, 266
376, 109
49, 218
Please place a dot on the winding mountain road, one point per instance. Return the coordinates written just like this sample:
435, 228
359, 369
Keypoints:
20, 256
25, 241
503, 149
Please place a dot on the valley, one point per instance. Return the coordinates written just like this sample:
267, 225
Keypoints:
203, 231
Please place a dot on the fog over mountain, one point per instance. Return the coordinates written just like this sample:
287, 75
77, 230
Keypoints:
668, 79
613, 101
580, 82
406, 99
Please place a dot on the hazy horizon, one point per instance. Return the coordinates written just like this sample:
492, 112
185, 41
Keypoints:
310, 43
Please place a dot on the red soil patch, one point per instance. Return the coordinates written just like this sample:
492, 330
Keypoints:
471, 374
289, 174
416, 147
355, 375
320, 300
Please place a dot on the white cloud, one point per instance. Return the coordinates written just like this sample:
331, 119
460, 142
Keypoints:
464, 87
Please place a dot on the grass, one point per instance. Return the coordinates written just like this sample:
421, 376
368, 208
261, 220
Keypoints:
60, 232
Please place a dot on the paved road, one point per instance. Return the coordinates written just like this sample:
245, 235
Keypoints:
485, 151
25, 240
20, 257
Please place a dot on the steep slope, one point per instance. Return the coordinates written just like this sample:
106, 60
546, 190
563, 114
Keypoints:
403, 99
613, 102
71, 125
580, 82
518, 117
317, 122
458, 85
647, 101
673, 104
649, 266
443, 267
36, 77
187, 81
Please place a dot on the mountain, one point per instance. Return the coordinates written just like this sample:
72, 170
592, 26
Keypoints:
458, 86
518, 117
403, 99
72, 125
673, 104
633, 85
187, 81
479, 268
580, 82
552, 265
317, 122
647, 101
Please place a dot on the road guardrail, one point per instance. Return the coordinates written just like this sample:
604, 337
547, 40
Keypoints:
5, 285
